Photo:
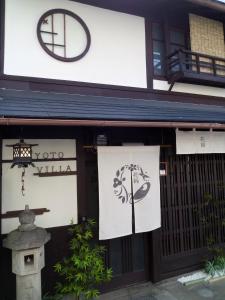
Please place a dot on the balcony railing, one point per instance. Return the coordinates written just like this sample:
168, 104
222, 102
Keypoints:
193, 67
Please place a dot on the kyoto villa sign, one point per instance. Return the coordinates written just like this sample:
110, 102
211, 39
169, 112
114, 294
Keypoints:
52, 170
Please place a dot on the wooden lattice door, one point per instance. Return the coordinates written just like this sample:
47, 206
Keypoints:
188, 219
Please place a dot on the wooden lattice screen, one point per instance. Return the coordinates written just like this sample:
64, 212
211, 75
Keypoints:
187, 218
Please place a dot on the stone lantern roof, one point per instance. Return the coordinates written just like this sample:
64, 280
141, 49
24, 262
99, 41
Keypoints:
27, 235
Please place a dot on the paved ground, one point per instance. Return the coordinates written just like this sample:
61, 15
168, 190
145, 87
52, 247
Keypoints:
169, 290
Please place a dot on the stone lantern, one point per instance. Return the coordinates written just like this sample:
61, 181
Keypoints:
27, 245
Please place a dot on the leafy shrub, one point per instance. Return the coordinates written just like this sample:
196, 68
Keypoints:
84, 269
216, 266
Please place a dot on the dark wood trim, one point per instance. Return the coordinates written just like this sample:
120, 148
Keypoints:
124, 280
2, 35
53, 174
81, 182
147, 255
0, 193
156, 255
167, 36
210, 4
160, 77
181, 263
188, 68
15, 213
189, 98
42, 160
69, 83
149, 54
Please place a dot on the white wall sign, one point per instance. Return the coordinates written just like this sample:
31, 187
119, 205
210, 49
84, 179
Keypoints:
117, 53
128, 177
56, 193
198, 142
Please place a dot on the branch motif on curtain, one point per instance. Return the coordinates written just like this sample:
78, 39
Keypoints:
129, 190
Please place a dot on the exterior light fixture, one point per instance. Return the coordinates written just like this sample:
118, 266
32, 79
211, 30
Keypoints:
101, 140
22, 154
22, 157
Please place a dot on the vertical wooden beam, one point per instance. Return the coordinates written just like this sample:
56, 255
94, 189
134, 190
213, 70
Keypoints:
149, 53
214, 66
2, 35
188, 162
166, 34
197, 59
156, 255
81, 183
0, 193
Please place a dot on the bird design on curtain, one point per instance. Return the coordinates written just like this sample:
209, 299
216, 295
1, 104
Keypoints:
138, 184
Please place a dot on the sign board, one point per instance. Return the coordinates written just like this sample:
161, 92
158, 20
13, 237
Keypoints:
199, 142
51, 184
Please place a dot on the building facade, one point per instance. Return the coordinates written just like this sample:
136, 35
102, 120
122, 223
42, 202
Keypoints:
132, 73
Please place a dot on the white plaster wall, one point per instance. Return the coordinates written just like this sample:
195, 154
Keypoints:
189, 88
117, 55
58, 193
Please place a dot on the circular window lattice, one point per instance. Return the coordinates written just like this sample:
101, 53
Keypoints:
53, 35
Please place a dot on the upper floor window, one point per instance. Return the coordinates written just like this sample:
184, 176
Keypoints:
159, 53
175, 40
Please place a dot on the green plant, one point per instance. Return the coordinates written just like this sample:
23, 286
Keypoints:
84, 269
210, 268
49, 297
211, 214
212, 218
217, 265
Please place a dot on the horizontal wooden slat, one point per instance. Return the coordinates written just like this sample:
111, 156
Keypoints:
15, 213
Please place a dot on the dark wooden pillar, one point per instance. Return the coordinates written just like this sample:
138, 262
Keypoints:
0, 193
149, 53
155, 261
81, 183
2, 34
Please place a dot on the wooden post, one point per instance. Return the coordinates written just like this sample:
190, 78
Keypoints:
149, 54
156, 255
81, 184
1, 194
197, 63
181, 56
214, 66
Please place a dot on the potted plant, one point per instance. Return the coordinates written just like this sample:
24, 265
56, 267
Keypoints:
84, 269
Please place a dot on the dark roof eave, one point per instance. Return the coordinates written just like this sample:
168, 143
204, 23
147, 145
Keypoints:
213, 4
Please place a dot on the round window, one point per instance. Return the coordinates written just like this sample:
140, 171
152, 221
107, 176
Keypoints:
63, 35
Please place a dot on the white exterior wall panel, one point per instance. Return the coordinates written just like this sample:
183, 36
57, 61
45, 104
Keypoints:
117, 55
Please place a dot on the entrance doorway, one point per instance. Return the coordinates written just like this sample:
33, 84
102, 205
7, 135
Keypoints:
127, 256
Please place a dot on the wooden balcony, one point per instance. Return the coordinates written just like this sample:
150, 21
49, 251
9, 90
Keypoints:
196, 68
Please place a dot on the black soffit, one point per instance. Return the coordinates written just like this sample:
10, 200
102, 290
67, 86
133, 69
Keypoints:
146, 7
24, 104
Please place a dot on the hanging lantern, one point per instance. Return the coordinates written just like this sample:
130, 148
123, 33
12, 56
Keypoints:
22, 157
22, 154
101, 140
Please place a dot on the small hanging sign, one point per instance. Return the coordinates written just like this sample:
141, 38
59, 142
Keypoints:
200, 142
